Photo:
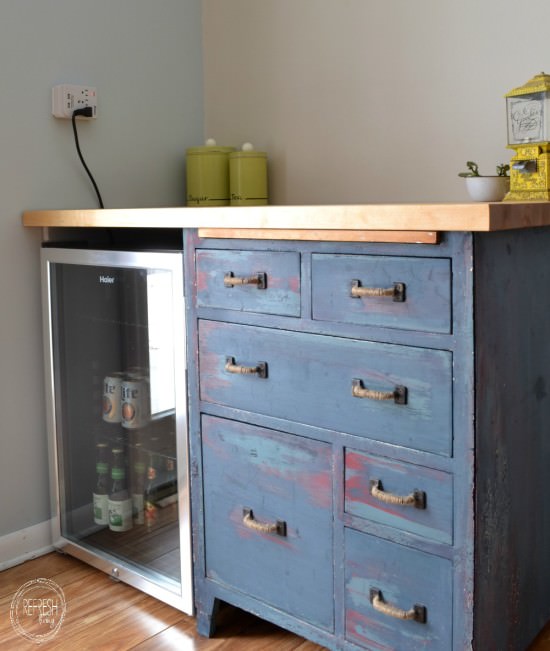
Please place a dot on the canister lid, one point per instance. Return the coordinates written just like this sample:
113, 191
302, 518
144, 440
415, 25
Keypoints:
210, 147
248, 151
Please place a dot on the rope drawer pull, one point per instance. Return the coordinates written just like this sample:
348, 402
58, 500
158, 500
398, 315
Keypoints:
278, 527
396, 292
260, 369
398, 395
417, 613
259, 279
416, 498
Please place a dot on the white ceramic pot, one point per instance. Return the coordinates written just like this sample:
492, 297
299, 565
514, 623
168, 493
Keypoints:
487, 188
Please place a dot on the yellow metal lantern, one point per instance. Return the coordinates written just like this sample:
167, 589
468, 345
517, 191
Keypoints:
528, 119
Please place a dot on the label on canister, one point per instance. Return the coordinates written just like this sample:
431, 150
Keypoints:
207, 175
135, 402
248, 178
112, 385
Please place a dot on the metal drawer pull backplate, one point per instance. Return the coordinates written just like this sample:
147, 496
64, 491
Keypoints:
417, 613
259, 279
278, 527
398, 395
416, 498
397, 292
231, 367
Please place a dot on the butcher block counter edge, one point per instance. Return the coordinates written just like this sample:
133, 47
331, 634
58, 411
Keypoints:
369, 222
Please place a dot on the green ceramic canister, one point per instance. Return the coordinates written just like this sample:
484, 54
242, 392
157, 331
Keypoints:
207, 172
248, 177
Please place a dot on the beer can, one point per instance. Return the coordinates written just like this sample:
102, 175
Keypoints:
135, 402
112, 385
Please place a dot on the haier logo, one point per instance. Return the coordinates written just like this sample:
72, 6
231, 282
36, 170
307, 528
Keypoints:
107, 280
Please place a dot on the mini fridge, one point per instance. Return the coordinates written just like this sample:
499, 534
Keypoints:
114, 330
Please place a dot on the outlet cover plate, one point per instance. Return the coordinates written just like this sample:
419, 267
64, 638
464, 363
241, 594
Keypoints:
66, 98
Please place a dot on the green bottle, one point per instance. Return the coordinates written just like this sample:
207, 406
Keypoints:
101, 490
120, 502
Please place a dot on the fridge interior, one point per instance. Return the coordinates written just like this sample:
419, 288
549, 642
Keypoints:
113, 330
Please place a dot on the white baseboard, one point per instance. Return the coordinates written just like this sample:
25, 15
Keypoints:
22, 545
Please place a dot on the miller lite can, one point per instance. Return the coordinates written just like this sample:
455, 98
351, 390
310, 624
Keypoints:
135, 402
112, 388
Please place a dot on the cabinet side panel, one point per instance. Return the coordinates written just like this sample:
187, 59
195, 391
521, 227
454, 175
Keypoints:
512, 557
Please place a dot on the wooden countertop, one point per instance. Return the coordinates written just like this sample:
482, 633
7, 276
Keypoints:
369, 222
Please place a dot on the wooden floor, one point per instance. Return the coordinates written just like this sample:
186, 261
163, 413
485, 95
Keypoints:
104, 615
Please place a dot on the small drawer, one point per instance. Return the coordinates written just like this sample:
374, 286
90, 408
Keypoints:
402, 495
396, 597
386, 291
250, 281
268, 516
386, 392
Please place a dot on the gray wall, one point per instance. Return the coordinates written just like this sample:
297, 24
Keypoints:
144, 58
367, 102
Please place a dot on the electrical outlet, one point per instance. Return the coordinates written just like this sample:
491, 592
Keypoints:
66, 98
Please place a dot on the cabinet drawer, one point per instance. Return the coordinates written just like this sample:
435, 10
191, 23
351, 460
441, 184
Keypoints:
282, 479
402, 495
383, 575
326, 381
249, 281
419, 291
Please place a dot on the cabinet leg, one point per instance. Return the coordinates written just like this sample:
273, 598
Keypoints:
206, 616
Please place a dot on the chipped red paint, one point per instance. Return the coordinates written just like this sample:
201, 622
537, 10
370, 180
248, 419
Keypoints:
202, 282
294, 284
319, 487
358, 627
354, 460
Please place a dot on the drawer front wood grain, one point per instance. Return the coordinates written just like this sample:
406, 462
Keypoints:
402, 495
395, 292
281, 479
396, 394
250, 281
396, 597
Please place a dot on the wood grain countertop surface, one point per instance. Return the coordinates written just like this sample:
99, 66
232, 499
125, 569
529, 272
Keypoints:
368, 222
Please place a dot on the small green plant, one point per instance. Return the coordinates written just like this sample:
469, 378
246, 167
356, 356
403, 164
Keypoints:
473, 170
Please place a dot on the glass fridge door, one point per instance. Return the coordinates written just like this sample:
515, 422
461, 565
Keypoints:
115, 336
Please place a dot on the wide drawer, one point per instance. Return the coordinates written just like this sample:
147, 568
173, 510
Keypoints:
249, 281
388, 291
411, 498
397, 394
396, 597
268, 516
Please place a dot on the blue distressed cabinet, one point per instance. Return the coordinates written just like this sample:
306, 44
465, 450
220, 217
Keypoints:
370, 437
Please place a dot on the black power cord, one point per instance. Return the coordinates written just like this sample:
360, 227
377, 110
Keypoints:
86, 112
